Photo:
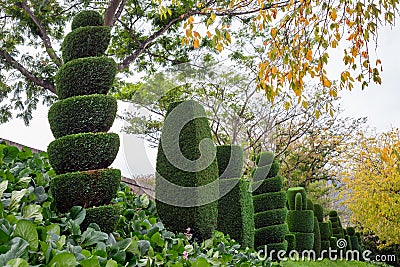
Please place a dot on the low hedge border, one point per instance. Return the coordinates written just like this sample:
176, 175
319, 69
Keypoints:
270, 217
81, 152
85, 189
269, 201
82, 114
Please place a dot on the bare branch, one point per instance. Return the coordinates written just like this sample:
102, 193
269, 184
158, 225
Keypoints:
109, 16
119, 12
28, 75
43, 33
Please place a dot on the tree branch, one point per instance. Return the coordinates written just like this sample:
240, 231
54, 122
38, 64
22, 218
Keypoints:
43, 33
28, 75
119, 12
109, 16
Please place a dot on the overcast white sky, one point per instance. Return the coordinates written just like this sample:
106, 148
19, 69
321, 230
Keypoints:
379, 103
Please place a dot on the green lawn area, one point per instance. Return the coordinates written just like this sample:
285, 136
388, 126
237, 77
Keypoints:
327, 263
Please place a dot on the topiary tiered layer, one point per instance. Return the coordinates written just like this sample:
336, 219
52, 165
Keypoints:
269, 205
83, 150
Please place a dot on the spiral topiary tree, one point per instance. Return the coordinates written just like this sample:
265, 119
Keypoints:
299, 219
187, 186
317, 232
337, 229
235, 208
324, 228
269, 205
83, 150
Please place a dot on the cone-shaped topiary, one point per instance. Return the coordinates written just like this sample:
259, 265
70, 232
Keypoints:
187, 158
235, 209
319, 212
300, 220
269, 204
337, 229
317, 238
353, 238
80, 120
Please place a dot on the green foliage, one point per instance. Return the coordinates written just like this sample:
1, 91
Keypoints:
87, 18
86, 189
202, 219
350, 231
325, 245
236, 212
270, 234
317, 238
265, 158
319, 212
300, 221
82, 114
325, 231
106, 217
304, 241
270, 217
268, 185
333, 242
85, 76
298, 204
85, 151
267, 171
310, 204
230, 161
89, 41
336, 225
269, 201
333, 213
291, 197
291, 239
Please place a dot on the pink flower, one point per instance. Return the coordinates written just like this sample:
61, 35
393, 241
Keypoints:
185, 255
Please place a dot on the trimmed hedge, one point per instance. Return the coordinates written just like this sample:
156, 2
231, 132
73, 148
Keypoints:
82, 114
265, 158
291, 239
282, 246
268, 185
310, 204
236, 212
333, 241
300, 221
325, 231
354, 243
304, 241
317, 237
269, 201
270, 234
291, 197
325, 245
85, 189
319, 212
264, 172
106, 217
333, 213
85, 76
87, 18
270, 217
81, 152
336, 225
350, 231
230, 161
201, 219
89, 41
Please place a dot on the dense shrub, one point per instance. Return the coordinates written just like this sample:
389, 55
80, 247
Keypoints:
336, 225
85, 76
106, 217
300, 221
89, 41
291, 197
317, 238
230, 161
85, 151
86, 189
203, 218
273, 184
319, 212
270, 217
269, 201
304, 241
353, 238
291, 239
87, 18
325, 231
82, 114
270, 234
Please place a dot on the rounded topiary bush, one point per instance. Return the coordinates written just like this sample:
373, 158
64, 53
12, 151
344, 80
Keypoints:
291, 239
85, 151
291, 197
270, 217
82, 114
87, 18
350, 231
106, 217
85, 189
89, 41
85, 76
269, 201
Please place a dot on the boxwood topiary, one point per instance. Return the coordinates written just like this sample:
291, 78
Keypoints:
317, 238
300, 221
269, 201
202, 219
85, 189
325, 231
270, 234
268, 185
291, 197
87, 18
89, 41
291, 239
106, 217
270, 217
304, 241
85, 76
319, 212
230, 161
265, 158
85, 151
82, 114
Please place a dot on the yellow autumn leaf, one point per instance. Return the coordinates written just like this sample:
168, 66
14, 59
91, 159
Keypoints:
309, 55
196, 43
273, 32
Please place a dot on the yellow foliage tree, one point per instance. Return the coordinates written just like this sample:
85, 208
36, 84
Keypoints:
372, 185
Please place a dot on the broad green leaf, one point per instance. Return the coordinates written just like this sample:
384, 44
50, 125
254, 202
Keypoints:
64, 259
18, 249
10, 154
91, 262
18, 262
201, 262
3, 187
32, 212
53, 228
16, 197
91, 237
77, 214
27, 230
111, 263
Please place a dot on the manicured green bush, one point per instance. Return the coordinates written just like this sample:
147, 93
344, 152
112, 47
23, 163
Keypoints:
310, 204
236, 212
270, 217
291, 239
281, 246
87, 18
300, 221
85, 76
85, 189
317, 237
304, 241
201, 219
350, 231
349, 246
298, 206
291, 197
325, 231
263, 172
265, 158
319, 212
269, 201
106, 217
333, 213
354, 243
268, 185
85, 151
336, 225
230, 161
325, 245
270, 234
89, 41
333, 242
82, 114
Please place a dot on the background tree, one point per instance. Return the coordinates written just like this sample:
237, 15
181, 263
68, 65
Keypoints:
372, 185
293, 38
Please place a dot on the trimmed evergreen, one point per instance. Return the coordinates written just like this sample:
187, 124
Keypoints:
87, 18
